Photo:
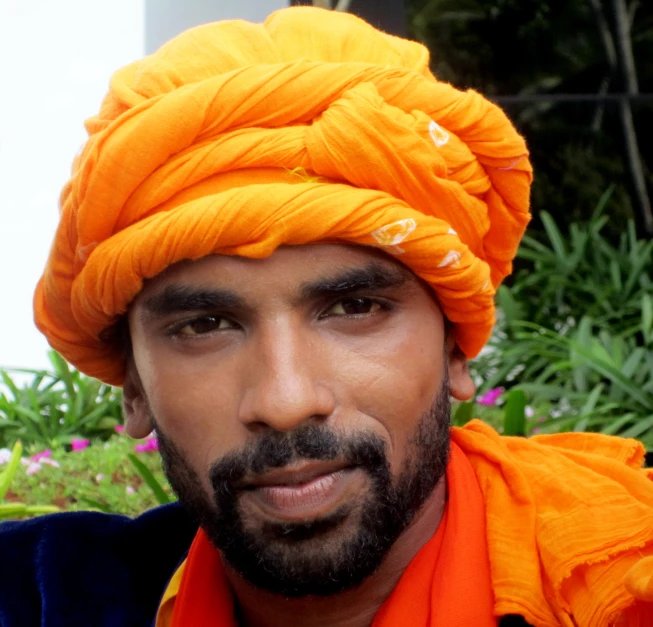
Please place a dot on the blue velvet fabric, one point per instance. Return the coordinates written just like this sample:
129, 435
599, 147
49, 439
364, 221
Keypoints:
87, 569
96, 570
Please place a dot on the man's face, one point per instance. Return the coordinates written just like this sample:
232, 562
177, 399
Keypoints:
301, 403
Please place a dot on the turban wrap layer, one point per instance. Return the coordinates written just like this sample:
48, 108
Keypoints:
235, 138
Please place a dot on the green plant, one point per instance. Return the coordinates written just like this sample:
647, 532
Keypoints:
56, 406
575, 330
99, 477
14, 509
599, 381
158, 489
509, 419
581, 273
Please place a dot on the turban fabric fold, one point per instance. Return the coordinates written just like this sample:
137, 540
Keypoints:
236, 138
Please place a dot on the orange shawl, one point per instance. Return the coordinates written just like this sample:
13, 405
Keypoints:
569, 534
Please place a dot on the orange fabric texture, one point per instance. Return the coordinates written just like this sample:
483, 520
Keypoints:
236, 138
568, 529
569, 526
434, 590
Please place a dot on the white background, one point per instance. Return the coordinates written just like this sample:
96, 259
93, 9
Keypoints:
55, 62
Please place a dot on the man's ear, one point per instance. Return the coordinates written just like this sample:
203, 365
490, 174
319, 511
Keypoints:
461, 385
138, 420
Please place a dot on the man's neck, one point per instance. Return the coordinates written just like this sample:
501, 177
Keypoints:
354, 608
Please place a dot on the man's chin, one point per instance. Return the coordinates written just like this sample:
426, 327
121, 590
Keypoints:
321, 557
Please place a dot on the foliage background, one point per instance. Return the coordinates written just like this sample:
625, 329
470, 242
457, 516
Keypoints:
513, 50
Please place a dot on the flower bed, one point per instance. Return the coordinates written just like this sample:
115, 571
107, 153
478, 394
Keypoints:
98, 475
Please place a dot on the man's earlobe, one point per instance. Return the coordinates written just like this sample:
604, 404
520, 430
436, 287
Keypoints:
138, 420
460, 381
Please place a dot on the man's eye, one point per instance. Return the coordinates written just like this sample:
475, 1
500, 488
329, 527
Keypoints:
353, 306
203, 325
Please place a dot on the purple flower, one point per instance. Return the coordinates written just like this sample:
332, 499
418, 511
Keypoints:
79, 444
42, 455
149, 445
491, 397
119, 429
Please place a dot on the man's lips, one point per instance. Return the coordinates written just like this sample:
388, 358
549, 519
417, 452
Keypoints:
302, 492
294, 475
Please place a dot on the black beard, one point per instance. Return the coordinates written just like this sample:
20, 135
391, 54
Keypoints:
315, 557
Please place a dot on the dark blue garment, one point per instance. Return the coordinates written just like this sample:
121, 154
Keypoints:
86, 569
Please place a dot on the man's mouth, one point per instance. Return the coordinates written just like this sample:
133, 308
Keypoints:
301, 492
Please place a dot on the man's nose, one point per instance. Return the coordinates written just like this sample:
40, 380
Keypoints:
285, 384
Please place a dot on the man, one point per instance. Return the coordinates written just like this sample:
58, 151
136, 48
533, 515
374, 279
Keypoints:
283, 240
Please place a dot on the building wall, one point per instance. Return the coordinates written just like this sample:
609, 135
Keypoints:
166, 18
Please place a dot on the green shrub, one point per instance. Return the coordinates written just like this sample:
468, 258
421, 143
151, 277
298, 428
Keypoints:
56, 407
100, 477
575, 331
14, 508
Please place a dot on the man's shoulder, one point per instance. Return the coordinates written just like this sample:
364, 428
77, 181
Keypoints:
72, 568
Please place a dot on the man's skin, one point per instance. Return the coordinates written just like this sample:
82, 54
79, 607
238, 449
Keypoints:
225, 349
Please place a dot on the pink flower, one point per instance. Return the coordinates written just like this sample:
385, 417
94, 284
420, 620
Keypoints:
42, 455
149, 445
119, 429
79, 444
491, 397
33, 468
129, 490
49, 462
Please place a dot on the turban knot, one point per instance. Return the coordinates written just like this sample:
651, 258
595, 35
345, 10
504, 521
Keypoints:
236, 138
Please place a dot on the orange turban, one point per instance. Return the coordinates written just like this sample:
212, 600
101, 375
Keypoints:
236, 138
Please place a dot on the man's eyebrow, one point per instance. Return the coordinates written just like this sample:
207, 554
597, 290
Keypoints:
374, 276
185, 298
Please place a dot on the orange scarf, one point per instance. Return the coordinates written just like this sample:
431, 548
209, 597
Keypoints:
447, 583
568, 526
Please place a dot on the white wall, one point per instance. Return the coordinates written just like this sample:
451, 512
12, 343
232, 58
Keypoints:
55, 63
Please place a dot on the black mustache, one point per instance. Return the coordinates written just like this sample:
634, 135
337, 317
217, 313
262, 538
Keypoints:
308, 443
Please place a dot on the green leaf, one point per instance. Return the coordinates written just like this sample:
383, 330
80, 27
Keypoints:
555, 236
159, 493
62, 370
9, 382
464, 413
514, 417
647, 317
95, 504
640, 427
9, 472
592, 399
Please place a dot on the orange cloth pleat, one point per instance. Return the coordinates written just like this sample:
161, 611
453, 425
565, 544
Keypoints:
204, 598
447, 583
569, 526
